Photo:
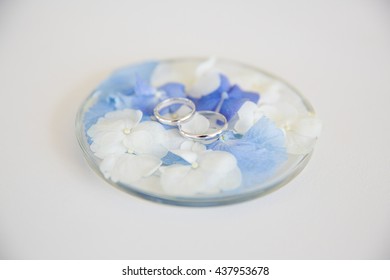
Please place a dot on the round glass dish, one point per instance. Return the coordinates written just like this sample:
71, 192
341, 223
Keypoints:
269, 137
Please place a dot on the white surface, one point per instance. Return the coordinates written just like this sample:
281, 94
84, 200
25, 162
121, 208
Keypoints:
52, 53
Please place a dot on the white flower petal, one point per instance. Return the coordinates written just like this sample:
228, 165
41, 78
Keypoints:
131, 168
150, 184
193, 146
205, 66
173, 139
147, 138
247, 109
102, 127
164, 73
298, 144
217, 161
107, 165
172, 178
103, 151
205, 84
231, 180
109, 138
130, 116
271, 95
108, 133
180, 72
213, 172
188, 156
248, 115
198, 124
309, 127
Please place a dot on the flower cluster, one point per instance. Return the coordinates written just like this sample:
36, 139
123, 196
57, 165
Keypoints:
135, 149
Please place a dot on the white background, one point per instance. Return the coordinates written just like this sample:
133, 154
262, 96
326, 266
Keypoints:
53, 53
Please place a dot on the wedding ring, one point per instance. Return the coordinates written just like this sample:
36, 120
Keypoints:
176, 109
218, 124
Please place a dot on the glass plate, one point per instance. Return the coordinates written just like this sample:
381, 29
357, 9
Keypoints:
272, 130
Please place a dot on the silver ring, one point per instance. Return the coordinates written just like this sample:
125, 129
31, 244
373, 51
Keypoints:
217, 128
174, 120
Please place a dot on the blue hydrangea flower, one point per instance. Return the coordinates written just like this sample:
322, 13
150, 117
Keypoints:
146, 97
113, 93
99, 109
226, 99
258, 152
123, 80
129, 87
210, 101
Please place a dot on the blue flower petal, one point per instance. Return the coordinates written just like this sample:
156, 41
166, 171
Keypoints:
230, 107
144, 103
123, 80
99, 109
146, 98
225, 84
142, 87
171, 158
208, 102
211, 101
259, 152
237, 93
116, 91
236, 97
173, 90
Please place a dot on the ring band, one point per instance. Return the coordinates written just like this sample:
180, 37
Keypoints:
209, 136
173, 121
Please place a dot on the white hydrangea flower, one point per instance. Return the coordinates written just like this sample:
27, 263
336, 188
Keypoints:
209, 171
130, 150
121, 131
129, 168
301, 130
199, 79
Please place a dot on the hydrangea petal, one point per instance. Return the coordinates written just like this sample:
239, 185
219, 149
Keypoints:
309, 127
198, 124
234, 99
237, 93
230, 107
210, 172
173, 139
211, 100
172, 158
123, 80
188, 156
99, 129
147, 138
247, 117
173, 90
205, 66
193, 146
99, 109
177, 72
231, 180
218, 161
129, 116
258, 153
172, 177
130, 168
302, 134
105, 151
205, 84
298, 144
